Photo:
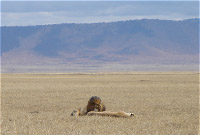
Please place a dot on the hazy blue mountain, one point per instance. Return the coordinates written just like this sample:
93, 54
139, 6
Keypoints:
126, 42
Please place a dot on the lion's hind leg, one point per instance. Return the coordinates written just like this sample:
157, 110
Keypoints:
124, 114
113, 114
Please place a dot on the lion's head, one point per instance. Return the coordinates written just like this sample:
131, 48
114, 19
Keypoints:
95, 104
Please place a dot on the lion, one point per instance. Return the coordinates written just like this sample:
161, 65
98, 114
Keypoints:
95, 104
96, 107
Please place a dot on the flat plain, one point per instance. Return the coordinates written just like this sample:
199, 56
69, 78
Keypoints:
40, 104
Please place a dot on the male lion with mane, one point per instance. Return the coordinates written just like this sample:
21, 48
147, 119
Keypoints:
96, 107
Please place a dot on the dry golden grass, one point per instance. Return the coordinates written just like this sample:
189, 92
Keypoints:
40, 104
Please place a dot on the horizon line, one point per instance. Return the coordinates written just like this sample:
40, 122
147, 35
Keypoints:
102, 22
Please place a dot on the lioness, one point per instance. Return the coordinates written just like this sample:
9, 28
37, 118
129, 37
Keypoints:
96, 107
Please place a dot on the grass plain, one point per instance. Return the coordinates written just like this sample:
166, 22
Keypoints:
40, 104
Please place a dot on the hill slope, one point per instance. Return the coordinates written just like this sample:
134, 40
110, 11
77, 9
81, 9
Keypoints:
137, 42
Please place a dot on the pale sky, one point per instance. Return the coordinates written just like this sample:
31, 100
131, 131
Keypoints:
23, 13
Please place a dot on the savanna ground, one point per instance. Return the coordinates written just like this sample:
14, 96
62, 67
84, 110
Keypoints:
40, 104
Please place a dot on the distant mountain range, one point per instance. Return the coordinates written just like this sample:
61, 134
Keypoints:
99, 46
